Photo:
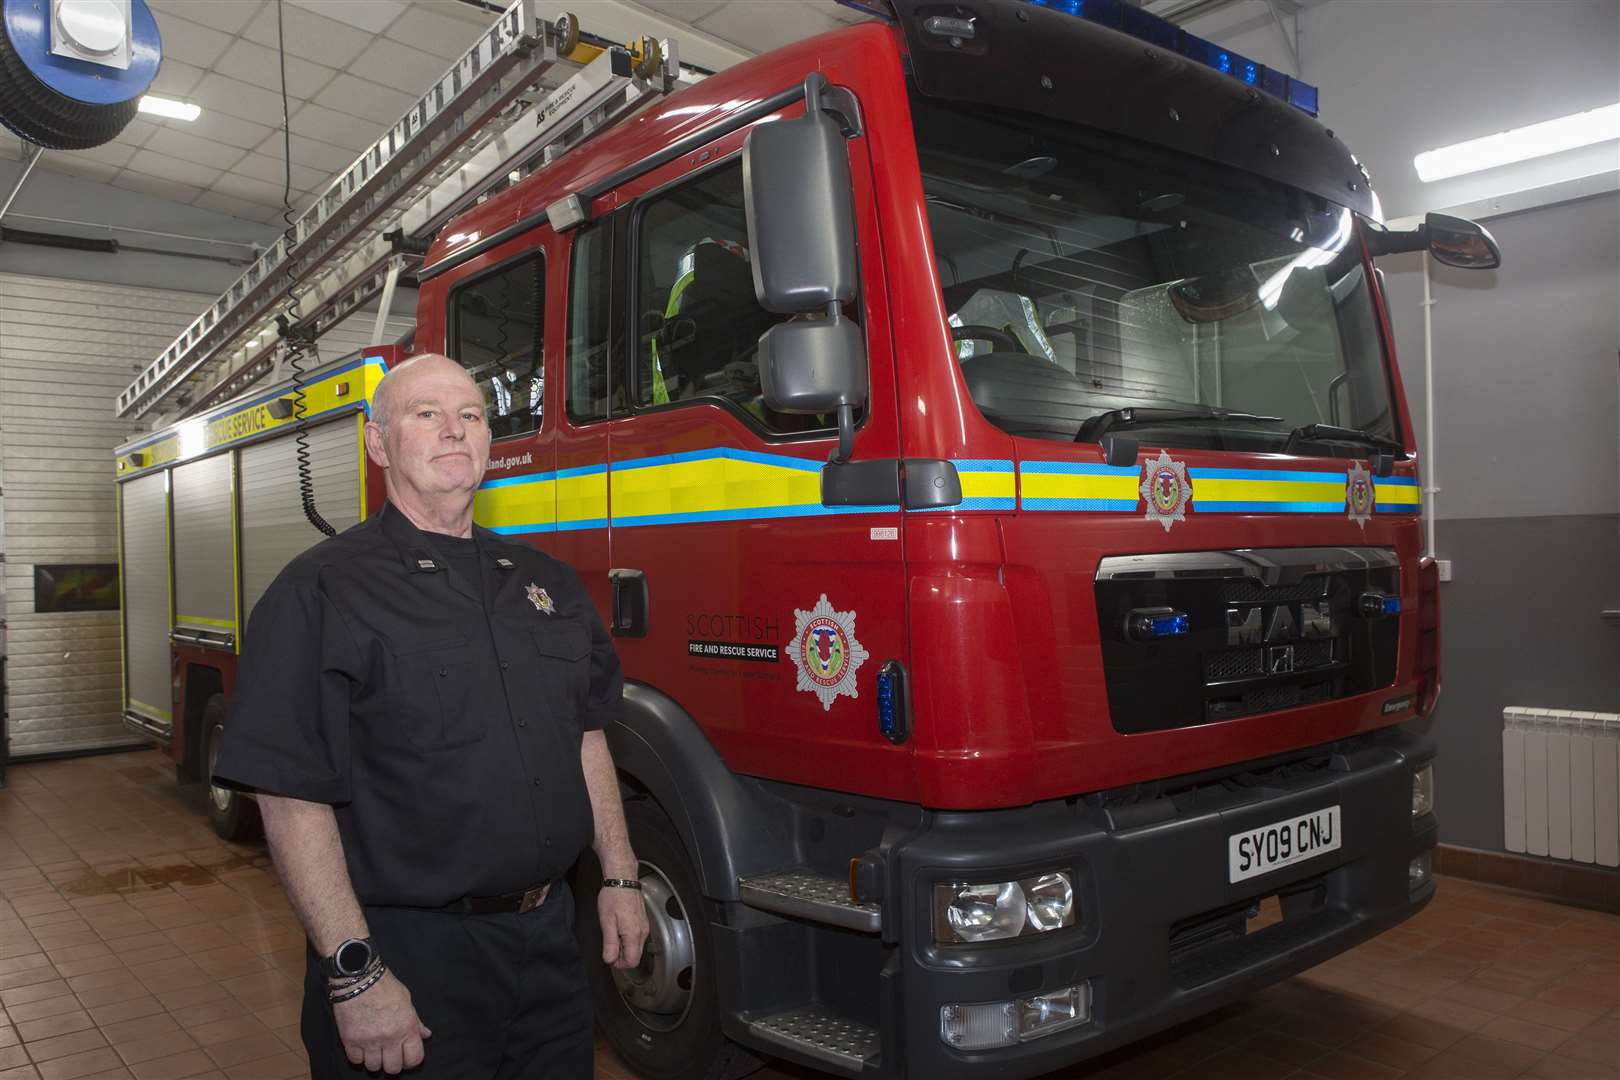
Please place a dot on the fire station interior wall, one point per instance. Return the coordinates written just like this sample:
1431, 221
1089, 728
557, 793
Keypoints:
274, 528
66, 349
145, 510
1398, 79
204, 547
1527, 454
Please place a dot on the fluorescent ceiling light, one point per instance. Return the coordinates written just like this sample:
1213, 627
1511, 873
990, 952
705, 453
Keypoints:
1520, 144
174, 110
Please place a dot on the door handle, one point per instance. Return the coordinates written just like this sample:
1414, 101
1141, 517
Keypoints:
629, 603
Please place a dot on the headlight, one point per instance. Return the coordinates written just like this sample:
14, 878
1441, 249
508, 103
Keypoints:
1423, 791
970, 913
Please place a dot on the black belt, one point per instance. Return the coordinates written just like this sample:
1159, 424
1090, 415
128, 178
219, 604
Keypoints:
518, 902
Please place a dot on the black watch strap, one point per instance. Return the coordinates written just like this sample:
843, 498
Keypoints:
351, 959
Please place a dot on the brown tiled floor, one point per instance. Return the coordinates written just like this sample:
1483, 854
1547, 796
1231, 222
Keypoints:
133, 943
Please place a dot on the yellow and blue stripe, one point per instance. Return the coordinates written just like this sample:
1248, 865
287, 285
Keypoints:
1266, 491
1078, 485
1397, 495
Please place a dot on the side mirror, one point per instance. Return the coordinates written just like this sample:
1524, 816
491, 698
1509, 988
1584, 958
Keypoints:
801, 215
801, 228
1461, 243
815, 366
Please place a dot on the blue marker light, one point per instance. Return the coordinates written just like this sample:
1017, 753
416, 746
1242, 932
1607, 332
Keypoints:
1223, 63
1392, 605
1251, 73
891, 703
1169, 625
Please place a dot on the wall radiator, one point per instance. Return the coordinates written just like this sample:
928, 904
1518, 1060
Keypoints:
1561, 784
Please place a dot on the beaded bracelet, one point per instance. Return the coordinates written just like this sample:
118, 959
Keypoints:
361, 985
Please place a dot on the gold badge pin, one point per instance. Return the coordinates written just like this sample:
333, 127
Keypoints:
540, 599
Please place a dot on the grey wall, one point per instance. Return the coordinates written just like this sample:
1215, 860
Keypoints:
51, 194
1527, 393
1398, 78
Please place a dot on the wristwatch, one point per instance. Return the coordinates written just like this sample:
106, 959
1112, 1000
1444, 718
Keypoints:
351, 959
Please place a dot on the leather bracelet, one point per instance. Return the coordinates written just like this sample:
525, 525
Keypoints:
621, 883
360, 987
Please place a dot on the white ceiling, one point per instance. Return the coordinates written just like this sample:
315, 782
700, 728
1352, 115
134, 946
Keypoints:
353, 68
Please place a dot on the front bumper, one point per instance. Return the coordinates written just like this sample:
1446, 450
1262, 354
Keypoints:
1153, 936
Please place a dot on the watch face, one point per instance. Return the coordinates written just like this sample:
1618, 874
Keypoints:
352, 957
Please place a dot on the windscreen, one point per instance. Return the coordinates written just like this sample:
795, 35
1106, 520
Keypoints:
1084, 274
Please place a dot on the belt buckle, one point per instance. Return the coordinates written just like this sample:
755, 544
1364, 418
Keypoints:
533, 898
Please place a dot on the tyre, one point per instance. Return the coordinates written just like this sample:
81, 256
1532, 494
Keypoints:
233, 815
662, 1017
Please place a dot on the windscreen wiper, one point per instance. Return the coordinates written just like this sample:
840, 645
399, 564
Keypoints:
1329, 433
1097, 426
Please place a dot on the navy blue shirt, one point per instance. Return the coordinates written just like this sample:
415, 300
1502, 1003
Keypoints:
439, 711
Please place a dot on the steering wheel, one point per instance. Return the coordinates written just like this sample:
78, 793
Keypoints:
999, 338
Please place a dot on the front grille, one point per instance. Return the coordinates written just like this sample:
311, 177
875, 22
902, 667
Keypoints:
1268, 630
1246, 591
1268, 698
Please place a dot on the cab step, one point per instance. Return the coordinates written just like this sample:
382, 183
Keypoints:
805, 894
816, 1032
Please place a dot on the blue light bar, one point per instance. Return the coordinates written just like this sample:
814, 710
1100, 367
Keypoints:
1170, 37
1392, 605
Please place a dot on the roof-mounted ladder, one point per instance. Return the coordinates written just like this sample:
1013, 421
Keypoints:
525, 92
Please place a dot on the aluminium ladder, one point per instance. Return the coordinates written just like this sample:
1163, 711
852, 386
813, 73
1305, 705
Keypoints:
525, 92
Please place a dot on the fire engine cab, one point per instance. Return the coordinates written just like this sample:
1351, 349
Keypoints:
981, 431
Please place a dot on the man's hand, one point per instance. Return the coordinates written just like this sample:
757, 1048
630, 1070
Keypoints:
624, 926
380, 1028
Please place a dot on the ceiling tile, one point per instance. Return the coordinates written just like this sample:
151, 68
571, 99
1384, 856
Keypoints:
309, 36
317, 121
230, 130
371, 16
235, 98
257, 191
226, 204
189, 147
269, 169
165, 167
175, 79
138, 130
152, 185
191, 43
365, 99
436, 31
312, 153
685, 10
116, 153
400, 66
766, 24
261, 66
74, 165
229, 17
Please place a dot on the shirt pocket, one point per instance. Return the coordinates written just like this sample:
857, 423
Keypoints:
564, 660
435, 702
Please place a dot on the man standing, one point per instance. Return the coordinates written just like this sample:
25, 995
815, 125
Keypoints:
419, 709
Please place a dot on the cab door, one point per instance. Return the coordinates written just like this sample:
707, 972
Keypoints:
768, 616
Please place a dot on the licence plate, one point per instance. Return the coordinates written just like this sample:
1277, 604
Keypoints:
1282, 843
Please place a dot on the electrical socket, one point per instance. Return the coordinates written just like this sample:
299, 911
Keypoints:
1445, 569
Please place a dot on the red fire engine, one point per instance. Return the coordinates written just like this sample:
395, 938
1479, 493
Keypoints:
981, 430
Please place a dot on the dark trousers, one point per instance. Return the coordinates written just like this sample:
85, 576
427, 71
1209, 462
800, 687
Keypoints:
505, 996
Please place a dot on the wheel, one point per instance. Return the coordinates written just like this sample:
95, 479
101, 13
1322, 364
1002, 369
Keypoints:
233, 815
661, 1017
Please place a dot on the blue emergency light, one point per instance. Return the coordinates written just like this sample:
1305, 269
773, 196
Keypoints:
1132, 20
1147, 624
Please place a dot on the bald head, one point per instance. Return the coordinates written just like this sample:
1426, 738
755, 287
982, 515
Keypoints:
428, 433
394, 388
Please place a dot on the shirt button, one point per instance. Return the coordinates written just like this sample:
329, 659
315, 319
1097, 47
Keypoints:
523, 723
443, 672
548, 841
505, 664
537, 783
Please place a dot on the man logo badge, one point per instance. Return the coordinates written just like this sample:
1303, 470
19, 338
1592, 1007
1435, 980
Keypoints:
540, 599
